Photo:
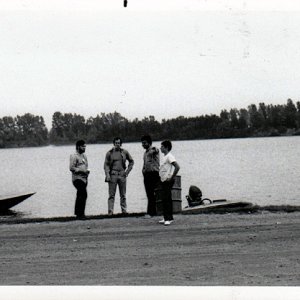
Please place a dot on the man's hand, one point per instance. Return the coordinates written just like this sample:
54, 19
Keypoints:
107, 178
82, 170
170, 179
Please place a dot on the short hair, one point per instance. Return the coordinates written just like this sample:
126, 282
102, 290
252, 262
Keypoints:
147, 138
80, 143
117, 138
167, 144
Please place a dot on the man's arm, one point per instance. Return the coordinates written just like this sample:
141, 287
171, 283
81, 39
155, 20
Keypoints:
154, 151
72, 167
131, 163
177, 167
87, 170
107, 167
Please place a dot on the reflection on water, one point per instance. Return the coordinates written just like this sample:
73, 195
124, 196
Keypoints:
262, 170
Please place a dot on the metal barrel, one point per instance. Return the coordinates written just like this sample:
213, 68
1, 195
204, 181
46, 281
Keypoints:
176, 197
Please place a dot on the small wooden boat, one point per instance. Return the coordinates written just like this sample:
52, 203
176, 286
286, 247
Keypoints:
221, 205
6, 202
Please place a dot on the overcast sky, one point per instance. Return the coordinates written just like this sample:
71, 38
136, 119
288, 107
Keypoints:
158, 57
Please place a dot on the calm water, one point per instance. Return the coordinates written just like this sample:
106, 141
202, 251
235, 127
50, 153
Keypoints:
261, 170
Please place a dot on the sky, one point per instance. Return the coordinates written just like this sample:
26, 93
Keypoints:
165, 58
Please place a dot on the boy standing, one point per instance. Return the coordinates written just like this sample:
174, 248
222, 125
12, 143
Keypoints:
167, 172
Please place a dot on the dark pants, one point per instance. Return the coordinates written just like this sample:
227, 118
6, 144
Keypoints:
151, 182
167, 199
80, 197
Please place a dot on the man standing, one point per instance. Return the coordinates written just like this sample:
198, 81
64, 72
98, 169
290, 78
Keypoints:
150, 172
80, 173
116, 173
167, 172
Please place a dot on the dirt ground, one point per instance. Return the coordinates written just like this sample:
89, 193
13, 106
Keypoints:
260, 249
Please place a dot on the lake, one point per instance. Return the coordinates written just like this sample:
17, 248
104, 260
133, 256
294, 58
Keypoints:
259, 170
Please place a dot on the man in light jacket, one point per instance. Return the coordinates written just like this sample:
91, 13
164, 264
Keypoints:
116, 173
80, 173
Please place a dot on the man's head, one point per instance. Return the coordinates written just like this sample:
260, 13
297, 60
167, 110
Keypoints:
166, 146
80, 146
146, 141
117, 141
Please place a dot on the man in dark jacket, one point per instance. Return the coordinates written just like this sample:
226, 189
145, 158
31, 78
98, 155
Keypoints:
116, 173
150, 172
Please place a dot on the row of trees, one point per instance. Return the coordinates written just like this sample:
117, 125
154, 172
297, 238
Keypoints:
261, 120
26, 130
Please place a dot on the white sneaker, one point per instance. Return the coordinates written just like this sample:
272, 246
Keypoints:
168, 222
161, 221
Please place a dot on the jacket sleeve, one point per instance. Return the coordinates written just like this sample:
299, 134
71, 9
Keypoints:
73, 168
87, 163
130, 160
107, 164
155, 151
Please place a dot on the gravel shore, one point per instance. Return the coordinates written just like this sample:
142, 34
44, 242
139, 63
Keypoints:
257, 249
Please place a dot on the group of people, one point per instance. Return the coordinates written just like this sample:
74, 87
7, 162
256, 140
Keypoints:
117, 166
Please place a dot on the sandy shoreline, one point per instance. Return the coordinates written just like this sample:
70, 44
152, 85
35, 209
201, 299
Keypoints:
12, 219
258, 249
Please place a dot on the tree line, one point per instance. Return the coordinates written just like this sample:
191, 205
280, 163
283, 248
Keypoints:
255, 121
23, 131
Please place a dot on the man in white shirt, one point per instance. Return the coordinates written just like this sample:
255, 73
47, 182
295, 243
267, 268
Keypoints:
167, 172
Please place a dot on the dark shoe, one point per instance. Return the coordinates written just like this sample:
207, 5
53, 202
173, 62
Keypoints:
82, 217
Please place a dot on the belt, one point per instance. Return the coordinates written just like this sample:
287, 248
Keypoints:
114, 172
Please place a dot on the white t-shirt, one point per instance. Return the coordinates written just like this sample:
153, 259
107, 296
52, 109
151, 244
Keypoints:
166, 168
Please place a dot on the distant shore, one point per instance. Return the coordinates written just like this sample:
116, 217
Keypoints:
256, 135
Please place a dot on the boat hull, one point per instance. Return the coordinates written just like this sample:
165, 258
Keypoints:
7, 202
218, 206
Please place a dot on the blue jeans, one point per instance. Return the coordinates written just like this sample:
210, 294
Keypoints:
117, 180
